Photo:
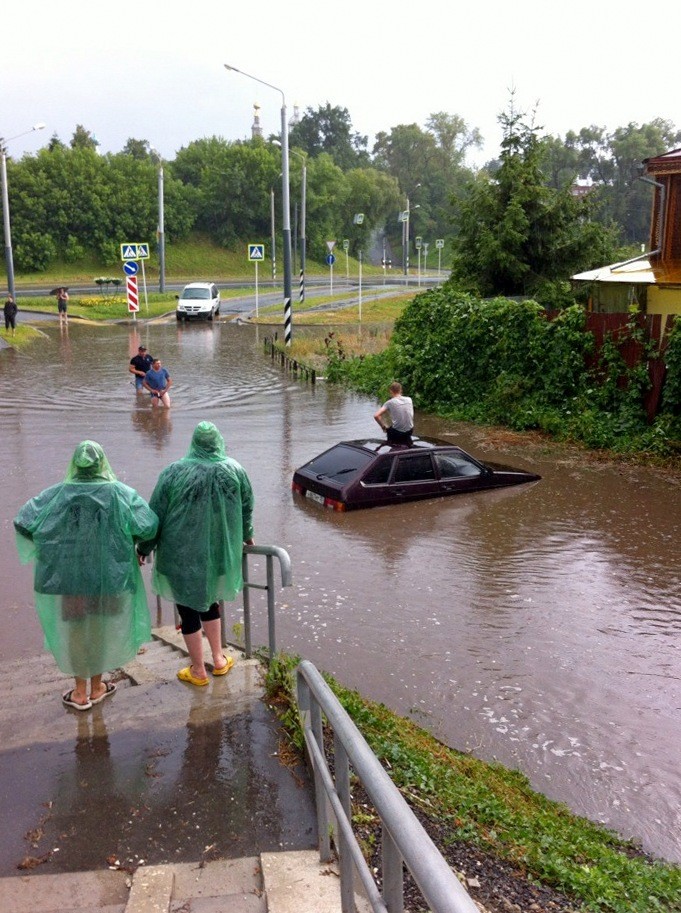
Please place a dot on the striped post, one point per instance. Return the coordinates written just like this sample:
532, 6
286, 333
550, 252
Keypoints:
288, 319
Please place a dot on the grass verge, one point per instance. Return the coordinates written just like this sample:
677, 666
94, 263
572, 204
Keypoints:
496, 810
24, 336
114, 307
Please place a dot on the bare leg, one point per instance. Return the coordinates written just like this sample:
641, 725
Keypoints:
194, 643
165, 399
214, 637
79, 693
97, 689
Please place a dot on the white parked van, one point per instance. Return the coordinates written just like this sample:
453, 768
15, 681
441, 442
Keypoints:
198, 299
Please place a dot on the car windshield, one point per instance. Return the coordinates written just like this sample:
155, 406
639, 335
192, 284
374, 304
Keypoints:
196, 293
341, 463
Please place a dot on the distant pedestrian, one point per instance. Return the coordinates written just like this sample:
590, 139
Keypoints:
88, 589
10, 311
204, 504
157, 381
62, 304
139, 365
401, 411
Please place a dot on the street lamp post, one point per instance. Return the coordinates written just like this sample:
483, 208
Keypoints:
273, 240
9, 259
161, 227
303, 212
405, 236
286, 205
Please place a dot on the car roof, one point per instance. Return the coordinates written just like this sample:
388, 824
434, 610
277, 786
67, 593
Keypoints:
418, 445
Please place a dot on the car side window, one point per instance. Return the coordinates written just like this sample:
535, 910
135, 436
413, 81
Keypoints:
378, 474
455, 466
414, 468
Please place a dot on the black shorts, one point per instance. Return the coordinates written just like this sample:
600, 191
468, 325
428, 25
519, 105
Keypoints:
399, 437
191, 619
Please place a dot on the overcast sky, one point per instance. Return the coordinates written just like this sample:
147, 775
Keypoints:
154, 70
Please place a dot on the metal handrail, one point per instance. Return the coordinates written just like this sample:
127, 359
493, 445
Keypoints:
404, 840
270, 552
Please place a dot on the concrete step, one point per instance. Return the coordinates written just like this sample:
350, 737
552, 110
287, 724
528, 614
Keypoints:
71, 892
289, 882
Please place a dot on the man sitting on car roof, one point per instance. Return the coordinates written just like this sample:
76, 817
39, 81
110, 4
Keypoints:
401, 411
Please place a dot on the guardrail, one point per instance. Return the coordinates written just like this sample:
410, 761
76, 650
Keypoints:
270, 552
298, 368
404, 840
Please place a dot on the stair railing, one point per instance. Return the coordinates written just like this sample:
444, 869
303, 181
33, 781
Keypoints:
270, 552
405, 843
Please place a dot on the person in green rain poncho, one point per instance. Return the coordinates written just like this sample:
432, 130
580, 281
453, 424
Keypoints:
204, 504
89, 592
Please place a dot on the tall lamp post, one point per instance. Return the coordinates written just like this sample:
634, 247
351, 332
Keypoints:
406, 216
161, 227
273, 240
303, 211
286, 204
9, 259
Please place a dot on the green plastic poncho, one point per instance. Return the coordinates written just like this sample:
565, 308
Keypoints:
89, 592
204, 504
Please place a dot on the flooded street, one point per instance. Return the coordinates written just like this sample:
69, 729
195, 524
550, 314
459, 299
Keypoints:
539, 626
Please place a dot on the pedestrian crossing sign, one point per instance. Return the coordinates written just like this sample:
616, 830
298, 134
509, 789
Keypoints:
256, 251
134, 251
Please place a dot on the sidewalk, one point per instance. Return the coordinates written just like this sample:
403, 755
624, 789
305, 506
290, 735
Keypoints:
163, 779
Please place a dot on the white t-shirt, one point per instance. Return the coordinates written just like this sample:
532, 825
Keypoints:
401, 410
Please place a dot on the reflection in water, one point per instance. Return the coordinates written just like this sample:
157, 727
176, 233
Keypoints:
155, 423
538, 625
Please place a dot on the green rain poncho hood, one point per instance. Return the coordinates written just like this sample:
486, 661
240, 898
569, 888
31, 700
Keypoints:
204, 503
88, 589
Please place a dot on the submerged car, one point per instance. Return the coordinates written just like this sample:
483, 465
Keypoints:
198, 299
371, 473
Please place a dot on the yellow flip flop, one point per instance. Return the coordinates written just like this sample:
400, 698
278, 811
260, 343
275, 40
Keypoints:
185, 675
225, 669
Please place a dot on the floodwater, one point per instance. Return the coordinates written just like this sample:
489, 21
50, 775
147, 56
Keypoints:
539, 626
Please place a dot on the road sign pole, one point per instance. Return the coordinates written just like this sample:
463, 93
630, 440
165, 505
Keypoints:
144, 283
256, 288
360, 286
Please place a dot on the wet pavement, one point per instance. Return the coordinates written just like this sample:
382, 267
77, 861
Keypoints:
537, 626
158, 773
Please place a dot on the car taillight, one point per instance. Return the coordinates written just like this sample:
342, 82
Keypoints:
332, 504
295, 486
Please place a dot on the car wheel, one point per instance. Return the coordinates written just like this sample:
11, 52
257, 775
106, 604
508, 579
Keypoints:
210, 316
179, 317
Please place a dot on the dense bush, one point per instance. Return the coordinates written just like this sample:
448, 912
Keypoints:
506, 362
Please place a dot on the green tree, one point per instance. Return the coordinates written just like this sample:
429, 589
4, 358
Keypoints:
231, 182
329, 129
373, 193
612, 161
137, 148
517, 235
83, 139
429, 166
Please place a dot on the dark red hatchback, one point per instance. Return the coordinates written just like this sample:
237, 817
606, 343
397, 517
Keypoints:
370, 473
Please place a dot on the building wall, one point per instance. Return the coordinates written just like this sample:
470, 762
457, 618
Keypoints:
664, 300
